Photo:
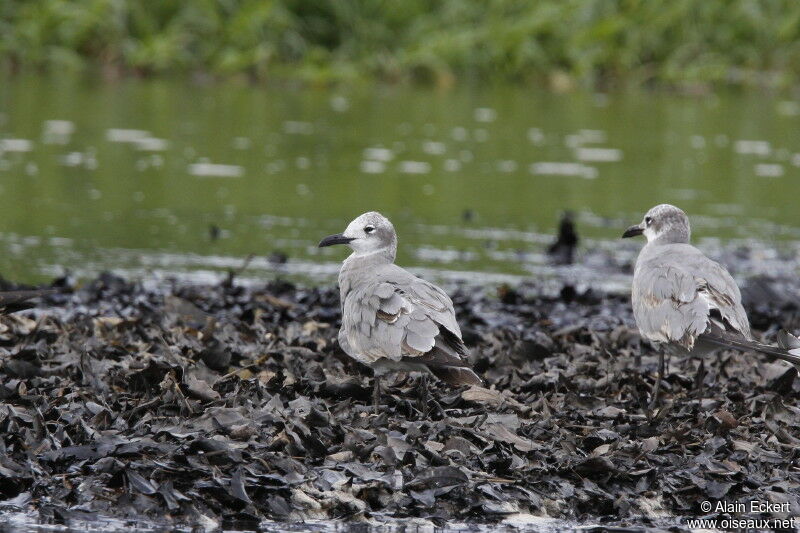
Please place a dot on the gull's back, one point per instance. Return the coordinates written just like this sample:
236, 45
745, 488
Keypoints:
390, 313
678, 293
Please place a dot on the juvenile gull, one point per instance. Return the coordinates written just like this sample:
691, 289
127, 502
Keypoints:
686, 303
391, 319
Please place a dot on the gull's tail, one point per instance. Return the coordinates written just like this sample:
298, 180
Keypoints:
448, 360
788, 348
457, 375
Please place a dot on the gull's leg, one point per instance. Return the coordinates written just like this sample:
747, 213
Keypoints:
422, 392
376, 394
700, 378
657, 384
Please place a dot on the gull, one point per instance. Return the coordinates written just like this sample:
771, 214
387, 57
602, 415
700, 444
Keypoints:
684, 302
391, 319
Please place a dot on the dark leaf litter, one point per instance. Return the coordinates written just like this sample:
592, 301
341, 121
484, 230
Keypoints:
236, 404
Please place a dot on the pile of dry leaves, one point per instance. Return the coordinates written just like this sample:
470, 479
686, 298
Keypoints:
236, 404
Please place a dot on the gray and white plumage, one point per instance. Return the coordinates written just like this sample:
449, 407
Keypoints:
683, 300
391, 319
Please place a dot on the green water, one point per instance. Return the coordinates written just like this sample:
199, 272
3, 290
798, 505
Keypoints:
306, 161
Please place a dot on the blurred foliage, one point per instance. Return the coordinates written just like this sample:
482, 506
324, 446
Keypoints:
560, 42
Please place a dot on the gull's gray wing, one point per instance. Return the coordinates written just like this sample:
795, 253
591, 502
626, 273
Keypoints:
395, 315
678, 293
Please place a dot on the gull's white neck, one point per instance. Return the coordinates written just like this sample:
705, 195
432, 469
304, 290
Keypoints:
386, 250
381, 256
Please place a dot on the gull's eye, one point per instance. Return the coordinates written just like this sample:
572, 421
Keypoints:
648, 220
369, 229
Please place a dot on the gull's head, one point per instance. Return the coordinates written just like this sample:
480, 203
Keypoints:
367, 234
664, 223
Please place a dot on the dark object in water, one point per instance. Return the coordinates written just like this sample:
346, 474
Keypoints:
277, 258
562, 251
214, 232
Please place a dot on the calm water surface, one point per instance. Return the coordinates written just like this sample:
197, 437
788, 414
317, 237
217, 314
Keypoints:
161, 177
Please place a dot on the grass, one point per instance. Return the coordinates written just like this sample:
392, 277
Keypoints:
563, 43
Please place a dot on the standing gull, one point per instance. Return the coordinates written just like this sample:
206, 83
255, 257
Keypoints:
686, 303
392, 320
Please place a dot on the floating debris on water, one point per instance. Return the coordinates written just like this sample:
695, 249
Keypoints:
788, 108
405, 129
241, 143
216, 170
439, 255
452, 165
57, 131
339, 103
746, 147
459, 134
698, 142
585, 137
373, 167
485, 114
684, 194
480, 135
120, 135
76, 159
297, 127
434, 147
769, 170
273, 167
415, 167
600, 100
563, 169
378, 153
151, 144
72, 159
536, 136
592, 136
598, 154
15, 145
506, 165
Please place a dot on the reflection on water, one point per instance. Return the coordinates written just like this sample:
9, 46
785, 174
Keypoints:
158, 177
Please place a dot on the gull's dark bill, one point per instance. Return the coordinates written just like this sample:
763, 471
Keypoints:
633, 231
330, 240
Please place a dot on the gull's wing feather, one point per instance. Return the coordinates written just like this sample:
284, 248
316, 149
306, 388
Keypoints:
398, 316
677, 292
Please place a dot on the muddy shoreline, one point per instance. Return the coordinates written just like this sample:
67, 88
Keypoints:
223, 404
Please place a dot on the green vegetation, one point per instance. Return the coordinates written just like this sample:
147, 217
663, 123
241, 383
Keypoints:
559, 42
